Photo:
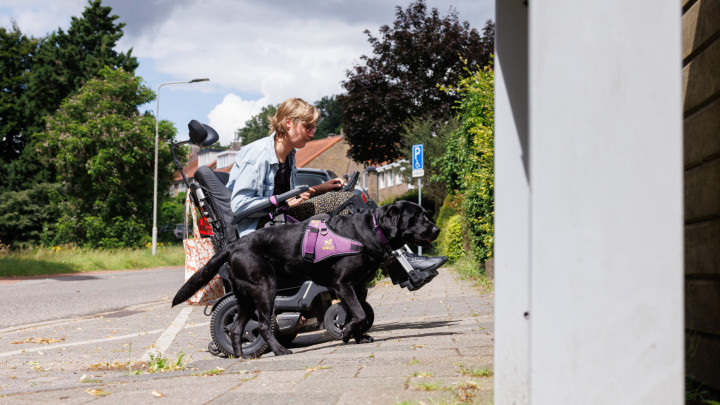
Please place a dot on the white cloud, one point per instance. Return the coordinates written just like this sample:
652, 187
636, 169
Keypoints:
232, 114
245, 48
40, 17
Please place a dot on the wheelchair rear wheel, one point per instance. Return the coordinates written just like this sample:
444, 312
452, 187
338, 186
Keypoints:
336, 318
253, 345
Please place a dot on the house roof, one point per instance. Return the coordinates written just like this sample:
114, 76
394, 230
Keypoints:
314, 149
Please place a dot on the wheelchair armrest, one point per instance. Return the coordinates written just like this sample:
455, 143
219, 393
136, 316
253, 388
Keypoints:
268, 205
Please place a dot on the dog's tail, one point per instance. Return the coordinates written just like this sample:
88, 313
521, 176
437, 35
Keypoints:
202, 276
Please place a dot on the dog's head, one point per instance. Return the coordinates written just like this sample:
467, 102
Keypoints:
407, 222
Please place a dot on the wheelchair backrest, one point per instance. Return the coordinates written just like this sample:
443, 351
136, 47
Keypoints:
218, 198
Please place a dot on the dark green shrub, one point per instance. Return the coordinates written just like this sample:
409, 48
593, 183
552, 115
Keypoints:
450, 241
412, 196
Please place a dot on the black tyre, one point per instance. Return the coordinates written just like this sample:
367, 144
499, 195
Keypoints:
253, 345
336, 318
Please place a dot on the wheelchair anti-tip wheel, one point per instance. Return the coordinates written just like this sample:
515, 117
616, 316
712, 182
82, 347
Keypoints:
337, 315
253, 345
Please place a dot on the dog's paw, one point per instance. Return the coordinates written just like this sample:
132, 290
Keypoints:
364, 339
283, 352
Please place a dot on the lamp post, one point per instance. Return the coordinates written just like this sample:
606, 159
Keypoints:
155, 180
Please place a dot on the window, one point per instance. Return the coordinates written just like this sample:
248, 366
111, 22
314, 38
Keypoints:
398, 177
389, 178
381, 180
225, 159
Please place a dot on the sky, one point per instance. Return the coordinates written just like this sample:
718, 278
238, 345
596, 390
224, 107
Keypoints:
255, 52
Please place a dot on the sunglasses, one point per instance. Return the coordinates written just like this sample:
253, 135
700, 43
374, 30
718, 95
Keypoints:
310, 127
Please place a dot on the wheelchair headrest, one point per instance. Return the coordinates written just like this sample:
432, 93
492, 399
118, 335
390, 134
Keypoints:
201, 134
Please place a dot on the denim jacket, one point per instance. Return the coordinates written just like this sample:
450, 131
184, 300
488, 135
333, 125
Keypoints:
252, 178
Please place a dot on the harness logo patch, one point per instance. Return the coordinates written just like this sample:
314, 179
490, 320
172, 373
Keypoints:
328, 245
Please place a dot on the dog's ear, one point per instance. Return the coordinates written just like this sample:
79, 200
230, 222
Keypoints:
390, 220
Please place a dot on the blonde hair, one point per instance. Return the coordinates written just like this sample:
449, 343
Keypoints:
297, 109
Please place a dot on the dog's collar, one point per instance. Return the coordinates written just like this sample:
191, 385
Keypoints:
385, 242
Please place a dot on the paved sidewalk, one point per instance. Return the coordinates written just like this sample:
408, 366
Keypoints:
434, 345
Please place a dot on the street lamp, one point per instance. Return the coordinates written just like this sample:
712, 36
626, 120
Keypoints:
155, 181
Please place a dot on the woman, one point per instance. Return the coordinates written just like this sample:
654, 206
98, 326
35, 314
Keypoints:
266, 167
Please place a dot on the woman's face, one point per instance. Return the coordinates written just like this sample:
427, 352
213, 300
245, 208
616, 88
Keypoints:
299, 133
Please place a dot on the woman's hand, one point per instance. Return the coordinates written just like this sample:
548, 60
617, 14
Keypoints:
330, 185
299, 198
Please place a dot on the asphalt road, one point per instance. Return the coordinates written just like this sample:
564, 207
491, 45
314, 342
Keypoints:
50, 298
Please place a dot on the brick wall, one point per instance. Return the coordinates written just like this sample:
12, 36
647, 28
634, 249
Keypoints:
701, 109
334, 158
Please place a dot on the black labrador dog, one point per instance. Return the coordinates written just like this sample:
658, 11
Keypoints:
256, 260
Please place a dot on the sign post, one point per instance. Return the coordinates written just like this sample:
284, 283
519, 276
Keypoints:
418, 170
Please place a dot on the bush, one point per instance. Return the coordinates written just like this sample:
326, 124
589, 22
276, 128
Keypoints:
467, 166
451, 239
27, 217
451, 207
412, 196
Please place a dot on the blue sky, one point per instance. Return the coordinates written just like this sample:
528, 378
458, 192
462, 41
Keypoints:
255, 52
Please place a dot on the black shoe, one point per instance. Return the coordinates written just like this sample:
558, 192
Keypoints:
424, 263
424, 270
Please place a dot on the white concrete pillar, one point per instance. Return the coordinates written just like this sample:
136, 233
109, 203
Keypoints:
602, 225
512, 205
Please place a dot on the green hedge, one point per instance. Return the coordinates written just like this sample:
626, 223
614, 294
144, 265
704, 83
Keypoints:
450, 241
467, 166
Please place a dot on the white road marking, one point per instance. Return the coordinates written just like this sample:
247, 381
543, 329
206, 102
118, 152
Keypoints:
166, 339
88, 342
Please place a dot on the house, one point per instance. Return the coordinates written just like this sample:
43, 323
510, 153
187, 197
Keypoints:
216, 159
381, 182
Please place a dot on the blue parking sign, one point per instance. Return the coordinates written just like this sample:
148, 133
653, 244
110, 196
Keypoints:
417, 157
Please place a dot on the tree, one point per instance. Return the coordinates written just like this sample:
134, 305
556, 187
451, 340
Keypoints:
411, 58
256, 127
28, 217
101, 146
63, 63
331, 114
434, 135
16, 57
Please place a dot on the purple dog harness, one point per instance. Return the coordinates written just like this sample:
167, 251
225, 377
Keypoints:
320, 242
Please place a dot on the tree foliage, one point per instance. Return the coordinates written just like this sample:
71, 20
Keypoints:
257, 126
433, 134
16, 57
467, 166
101, 147
28, 216
411, 58
63, 63
331, 115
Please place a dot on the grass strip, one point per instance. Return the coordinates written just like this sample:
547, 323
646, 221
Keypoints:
41, 261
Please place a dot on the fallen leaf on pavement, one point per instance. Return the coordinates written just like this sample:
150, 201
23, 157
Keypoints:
98, 392
157, 394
